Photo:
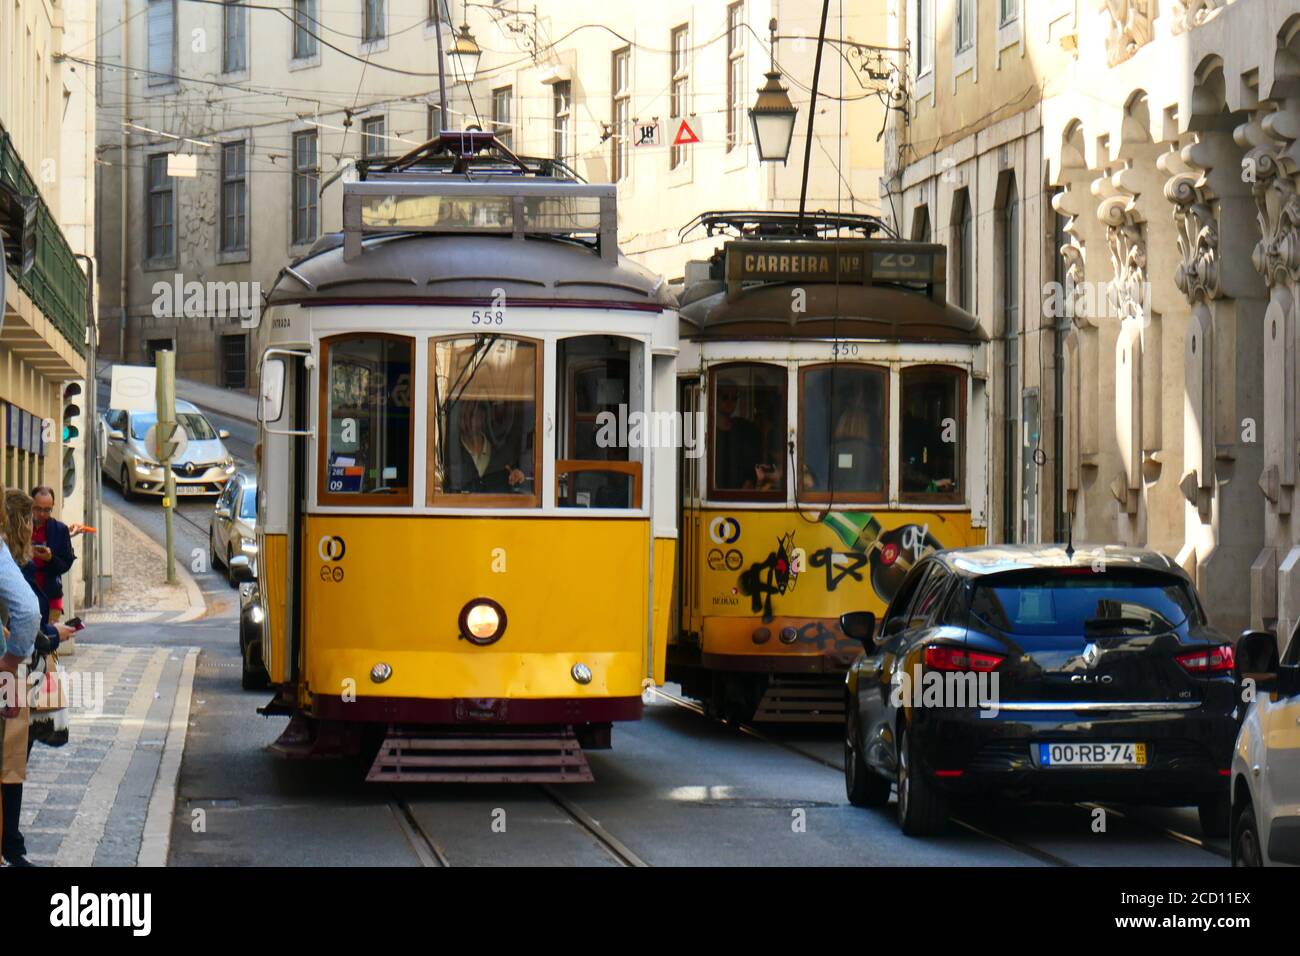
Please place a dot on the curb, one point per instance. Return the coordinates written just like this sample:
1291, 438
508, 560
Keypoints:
155, 842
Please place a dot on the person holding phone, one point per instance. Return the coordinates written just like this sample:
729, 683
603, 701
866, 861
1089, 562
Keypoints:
52, 554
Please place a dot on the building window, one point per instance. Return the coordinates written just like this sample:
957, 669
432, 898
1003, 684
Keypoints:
1009, 220
964, 246
374, 26
433, 121
304, 29
373, 138
438, 12
234, 361
1008, 10
503, 115
621, 112
305, 177
965, 25
680, 83
923, 33
162, 209
736, 91
234, 198
162, 42
234, 42
561, 110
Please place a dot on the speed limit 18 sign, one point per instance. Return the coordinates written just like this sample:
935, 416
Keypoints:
646, 134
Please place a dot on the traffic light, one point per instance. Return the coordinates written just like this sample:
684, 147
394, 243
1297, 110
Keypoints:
72, 435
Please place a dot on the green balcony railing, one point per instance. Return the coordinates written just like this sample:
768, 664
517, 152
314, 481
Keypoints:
55, 283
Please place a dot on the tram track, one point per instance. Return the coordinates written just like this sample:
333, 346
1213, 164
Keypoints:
1028, 849
612, 845
426, 849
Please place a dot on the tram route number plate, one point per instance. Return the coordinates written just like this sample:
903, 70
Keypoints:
1092, 755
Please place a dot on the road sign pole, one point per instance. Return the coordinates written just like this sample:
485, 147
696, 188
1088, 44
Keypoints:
166, 404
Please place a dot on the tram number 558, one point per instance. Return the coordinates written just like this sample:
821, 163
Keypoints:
487, 317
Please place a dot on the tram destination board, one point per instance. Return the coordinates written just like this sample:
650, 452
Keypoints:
863, 262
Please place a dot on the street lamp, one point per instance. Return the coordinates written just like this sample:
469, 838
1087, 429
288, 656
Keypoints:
465, 54
772, 115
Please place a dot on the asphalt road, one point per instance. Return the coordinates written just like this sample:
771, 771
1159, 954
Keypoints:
677, 789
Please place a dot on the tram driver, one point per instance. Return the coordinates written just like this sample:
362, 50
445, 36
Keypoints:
743, 458
489, 452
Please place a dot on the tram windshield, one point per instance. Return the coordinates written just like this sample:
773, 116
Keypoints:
931, 425
748, 431
843, 432
484, 421
368, 445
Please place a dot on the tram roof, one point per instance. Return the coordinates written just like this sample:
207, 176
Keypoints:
440, 268
850, 312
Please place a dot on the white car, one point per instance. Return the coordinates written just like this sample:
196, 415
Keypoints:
1266, 761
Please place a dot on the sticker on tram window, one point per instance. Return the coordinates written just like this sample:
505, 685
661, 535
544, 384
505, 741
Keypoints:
487, 317
346, 477
842, 349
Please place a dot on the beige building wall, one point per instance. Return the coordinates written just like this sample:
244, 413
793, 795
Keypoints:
47, 107
334, 93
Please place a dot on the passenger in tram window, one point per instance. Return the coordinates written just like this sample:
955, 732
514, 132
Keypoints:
736, 443
855, 444
478, 465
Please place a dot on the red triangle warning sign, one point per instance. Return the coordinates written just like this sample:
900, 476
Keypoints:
685, 134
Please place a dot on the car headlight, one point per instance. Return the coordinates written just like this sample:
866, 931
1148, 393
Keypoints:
482, 621
248, 545
145, 468
229, 467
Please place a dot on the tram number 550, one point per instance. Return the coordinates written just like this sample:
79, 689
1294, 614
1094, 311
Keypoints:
487, 317
843, 350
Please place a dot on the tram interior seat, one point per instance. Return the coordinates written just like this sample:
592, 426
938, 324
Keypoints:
597, 489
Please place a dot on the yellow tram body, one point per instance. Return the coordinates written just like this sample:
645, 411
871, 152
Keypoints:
786, 337
460, 571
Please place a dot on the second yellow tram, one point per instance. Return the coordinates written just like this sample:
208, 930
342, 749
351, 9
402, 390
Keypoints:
843, 413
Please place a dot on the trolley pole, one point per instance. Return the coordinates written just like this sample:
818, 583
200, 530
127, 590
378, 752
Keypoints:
166, 432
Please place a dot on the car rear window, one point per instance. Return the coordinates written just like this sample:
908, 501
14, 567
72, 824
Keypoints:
1069, 602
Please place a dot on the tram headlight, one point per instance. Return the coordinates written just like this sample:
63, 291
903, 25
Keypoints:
482, 621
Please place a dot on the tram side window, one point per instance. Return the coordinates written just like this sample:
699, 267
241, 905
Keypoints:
842, 433
483, 418
601, 406
933, 429
747, 432
368, 393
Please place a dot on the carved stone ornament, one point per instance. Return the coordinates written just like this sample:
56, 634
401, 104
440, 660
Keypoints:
1191, 14
1130, 28
1072, 253
1126, 239
1197, 225
1273, 178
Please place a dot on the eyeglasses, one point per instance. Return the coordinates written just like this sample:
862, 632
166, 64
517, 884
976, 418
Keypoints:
43, 511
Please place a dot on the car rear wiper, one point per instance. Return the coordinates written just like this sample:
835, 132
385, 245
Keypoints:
1101, 623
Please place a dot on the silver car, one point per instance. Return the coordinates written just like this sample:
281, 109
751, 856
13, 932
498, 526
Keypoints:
232, 530
202, 468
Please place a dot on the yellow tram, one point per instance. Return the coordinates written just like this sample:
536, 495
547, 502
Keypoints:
465, 570
843, 407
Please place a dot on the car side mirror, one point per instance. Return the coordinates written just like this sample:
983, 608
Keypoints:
1256, 658
858, 625
223, 434
116, 434
270, 397
241, 569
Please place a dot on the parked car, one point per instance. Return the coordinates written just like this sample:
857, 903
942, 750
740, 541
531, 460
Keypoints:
202, 468
1098, 671
1266, 761
232, 529
253, 674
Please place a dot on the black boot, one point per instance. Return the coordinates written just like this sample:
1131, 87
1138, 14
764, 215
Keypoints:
13, 847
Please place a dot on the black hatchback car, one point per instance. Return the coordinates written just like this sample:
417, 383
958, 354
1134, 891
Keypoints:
1045, 673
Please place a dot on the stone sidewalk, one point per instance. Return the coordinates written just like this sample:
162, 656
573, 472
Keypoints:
106, 797
139, 592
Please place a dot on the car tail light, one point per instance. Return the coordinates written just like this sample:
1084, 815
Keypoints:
1209, 660
944, 657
